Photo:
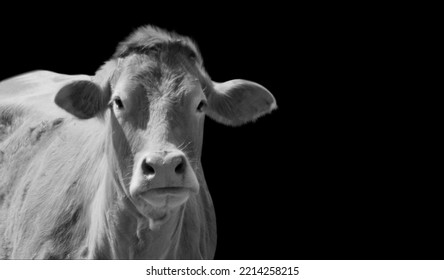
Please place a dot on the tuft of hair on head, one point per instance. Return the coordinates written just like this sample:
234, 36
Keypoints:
149, 37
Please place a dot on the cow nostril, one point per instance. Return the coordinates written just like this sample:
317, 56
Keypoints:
147, 169
180, 168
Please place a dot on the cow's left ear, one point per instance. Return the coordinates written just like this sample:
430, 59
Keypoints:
237, 102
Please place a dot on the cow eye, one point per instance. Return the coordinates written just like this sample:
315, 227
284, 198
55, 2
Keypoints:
201, 106
192, 56
118, 102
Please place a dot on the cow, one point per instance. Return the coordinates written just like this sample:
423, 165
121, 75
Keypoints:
108, 166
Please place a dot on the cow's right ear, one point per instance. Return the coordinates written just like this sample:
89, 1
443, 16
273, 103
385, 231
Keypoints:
87, 98
83, 99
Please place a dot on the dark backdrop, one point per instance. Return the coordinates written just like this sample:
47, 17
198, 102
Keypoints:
326, 176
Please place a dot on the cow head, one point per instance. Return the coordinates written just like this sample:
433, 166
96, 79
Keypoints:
154, 95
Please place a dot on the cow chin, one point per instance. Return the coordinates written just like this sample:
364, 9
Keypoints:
159, 203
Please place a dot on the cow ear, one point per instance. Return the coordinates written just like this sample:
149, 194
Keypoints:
83, 99
237, 102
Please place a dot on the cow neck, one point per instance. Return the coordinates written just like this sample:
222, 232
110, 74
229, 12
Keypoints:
162, 243
113, 218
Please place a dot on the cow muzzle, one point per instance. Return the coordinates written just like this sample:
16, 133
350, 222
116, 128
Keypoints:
163, 179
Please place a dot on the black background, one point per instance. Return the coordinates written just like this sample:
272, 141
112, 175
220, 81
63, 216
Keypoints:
331, 174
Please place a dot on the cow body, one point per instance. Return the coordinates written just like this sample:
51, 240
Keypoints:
80, 179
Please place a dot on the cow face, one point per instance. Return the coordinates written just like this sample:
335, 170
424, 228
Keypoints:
160, 107
154, 105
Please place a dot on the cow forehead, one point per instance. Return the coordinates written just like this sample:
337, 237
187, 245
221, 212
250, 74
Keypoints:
158, 78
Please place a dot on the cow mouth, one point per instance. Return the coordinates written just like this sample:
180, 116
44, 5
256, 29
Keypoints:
169, 197
168, 190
